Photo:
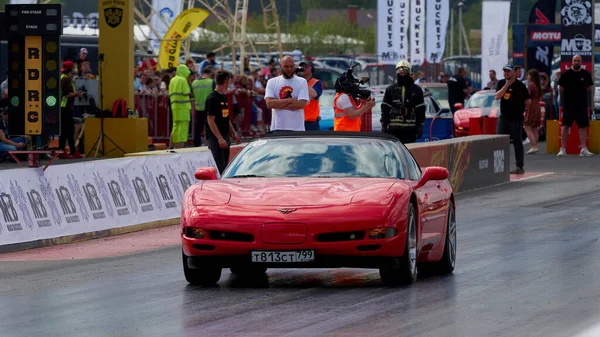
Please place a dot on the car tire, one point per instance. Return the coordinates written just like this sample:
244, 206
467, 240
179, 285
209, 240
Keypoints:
200, 277
246, 271
448, 261
406, 271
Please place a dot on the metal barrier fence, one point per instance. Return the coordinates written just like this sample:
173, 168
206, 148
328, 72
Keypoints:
156, 108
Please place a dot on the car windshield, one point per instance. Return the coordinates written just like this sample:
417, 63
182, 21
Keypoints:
439, 93
483, 100
318, 157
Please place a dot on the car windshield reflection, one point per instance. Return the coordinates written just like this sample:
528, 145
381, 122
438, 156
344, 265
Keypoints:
318, 157
483, 100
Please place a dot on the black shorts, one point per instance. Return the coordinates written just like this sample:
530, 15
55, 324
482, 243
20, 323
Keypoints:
578, 115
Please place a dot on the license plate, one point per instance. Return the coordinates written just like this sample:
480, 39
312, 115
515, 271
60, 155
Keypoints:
283, 256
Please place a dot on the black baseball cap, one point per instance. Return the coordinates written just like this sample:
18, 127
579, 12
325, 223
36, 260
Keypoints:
508, 66
308, 63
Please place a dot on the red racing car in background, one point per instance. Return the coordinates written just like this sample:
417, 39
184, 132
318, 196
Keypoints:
483, 103
319, 200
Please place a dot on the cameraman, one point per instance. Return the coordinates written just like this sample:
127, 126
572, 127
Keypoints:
312, 111
348, 109
403, 107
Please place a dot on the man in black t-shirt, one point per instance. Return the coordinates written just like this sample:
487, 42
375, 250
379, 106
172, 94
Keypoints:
219, 126
514, 99
458, 89
576, 87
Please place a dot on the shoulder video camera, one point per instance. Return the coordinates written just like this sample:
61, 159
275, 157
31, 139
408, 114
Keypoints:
351, 86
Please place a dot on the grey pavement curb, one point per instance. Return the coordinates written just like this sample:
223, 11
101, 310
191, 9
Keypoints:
87, 236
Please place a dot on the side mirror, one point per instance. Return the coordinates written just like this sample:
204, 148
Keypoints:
431, 174
206, 173
458, 106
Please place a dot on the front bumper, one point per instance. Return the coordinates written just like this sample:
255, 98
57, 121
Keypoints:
364, 253
321, 261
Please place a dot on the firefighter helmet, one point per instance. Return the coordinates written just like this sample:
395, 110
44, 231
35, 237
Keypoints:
405, 65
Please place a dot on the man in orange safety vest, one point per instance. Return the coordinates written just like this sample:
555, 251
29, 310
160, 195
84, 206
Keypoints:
312, 111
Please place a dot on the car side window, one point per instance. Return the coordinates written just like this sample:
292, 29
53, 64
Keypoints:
413, 171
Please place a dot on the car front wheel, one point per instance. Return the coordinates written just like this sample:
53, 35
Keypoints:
448, 261
406, 272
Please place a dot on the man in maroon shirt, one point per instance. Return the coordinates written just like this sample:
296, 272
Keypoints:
69, 93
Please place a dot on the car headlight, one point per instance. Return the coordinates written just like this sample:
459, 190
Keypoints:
372, 198
211, 198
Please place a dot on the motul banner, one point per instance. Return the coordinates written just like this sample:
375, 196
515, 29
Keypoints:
540, 57
577, 33
538, 35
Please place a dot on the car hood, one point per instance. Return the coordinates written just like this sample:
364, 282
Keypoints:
302, 191
465, 114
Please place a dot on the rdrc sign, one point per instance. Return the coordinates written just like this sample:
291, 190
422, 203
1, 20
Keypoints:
33, 85
33, 75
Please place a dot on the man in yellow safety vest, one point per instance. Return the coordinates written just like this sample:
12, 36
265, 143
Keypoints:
201, 88
181, 106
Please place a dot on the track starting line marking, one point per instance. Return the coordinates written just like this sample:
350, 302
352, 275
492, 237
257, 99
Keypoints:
527, 176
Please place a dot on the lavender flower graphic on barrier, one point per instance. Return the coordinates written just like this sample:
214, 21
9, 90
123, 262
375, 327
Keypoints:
51, 200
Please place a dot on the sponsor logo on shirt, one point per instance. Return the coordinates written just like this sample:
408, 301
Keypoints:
286, 92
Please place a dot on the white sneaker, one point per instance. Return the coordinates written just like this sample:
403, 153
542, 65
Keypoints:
562, 153
526, 141
585, 153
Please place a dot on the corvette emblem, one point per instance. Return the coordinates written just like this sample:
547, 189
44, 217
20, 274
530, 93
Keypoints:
286, 210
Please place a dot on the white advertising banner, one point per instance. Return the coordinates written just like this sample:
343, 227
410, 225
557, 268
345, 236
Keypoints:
92, 196
438, 12
404, 24
388, 31
166, 12
494, 36
417, 32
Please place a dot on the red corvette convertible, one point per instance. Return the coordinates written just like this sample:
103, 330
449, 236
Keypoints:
319, 200
483, 103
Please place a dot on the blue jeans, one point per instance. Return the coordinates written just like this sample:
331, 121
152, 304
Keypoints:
514, 129
7, 147
312, 126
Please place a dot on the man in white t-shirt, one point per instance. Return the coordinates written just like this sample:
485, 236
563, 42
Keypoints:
287, 95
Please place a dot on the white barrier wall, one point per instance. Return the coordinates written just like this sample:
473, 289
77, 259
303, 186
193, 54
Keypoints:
91, 196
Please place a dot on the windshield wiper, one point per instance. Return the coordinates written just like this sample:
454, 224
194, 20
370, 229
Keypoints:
247, 176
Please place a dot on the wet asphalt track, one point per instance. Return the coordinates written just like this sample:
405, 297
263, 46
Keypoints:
528, 265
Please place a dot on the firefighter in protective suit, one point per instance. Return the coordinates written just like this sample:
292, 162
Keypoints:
403, 107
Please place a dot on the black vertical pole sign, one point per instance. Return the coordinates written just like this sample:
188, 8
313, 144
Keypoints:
33, 36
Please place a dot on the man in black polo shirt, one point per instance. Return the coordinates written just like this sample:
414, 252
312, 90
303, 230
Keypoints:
514, 99
576, 88
458, 89
219, 126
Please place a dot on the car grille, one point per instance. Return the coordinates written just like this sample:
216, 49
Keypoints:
341, 236
231, 236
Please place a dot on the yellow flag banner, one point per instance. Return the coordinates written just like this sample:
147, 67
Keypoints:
184, 24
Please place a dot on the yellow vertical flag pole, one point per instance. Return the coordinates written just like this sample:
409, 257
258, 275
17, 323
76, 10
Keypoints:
116, 54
